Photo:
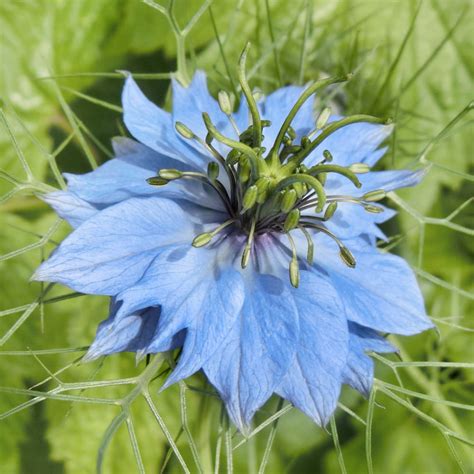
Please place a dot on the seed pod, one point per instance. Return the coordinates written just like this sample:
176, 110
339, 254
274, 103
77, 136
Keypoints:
288, 200
262, 189
250, 197
292, 220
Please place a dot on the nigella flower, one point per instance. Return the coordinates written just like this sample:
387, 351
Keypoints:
245, 239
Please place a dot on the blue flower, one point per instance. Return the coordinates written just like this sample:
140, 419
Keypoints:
245, 242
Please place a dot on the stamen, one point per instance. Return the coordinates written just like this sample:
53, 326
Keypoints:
186, 132
294, 269
310, 181
157, 181
248, 245
288, 200
291, 220
330, 210
225, 105
242, 147
203, 239
374, 196
359, 168
170, 174
310, 252
373, 209
323, 118
213, 170
344, 252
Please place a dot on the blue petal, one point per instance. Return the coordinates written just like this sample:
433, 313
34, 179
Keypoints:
70, 207
125, 177
351, 220
391, 302
113, 249
313, 382
132, 333
277, 106
386, 180
154, 127
258, 351
190, 102
353, 143
198, 290
359, 371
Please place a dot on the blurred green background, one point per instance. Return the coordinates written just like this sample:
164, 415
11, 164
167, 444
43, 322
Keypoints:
60, 103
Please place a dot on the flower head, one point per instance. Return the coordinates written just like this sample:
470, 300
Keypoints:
246, 239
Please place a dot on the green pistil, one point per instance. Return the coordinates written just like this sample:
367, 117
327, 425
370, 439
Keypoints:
268, 192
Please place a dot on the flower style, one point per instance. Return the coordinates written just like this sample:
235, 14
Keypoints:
245, 239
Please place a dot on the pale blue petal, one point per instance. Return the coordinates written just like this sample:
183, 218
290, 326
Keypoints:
190, 102
200, 291
125, 177
113, 249
351, 220
313, 381
277, 105
386, 180
69, 207
258, 351
154, 127
392, 302
359, 371
132, 333
353, 143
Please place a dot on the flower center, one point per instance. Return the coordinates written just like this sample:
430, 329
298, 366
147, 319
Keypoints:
274, 191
